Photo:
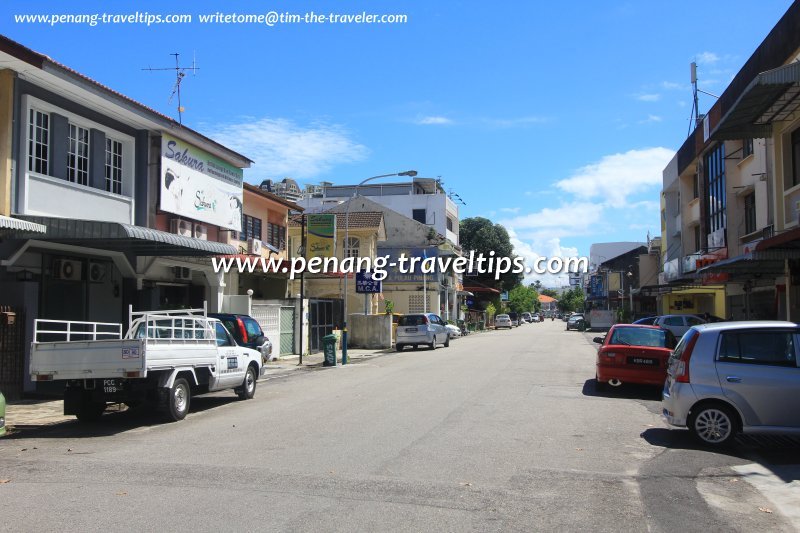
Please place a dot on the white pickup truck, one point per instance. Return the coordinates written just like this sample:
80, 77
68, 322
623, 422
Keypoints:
165, 358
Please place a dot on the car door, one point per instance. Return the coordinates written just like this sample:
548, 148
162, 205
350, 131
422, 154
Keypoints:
758, 373
676, 324
231, 367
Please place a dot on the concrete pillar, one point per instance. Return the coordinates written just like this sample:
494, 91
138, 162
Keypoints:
6, 135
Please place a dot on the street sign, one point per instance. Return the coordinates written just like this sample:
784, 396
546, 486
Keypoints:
504, 296
365, 284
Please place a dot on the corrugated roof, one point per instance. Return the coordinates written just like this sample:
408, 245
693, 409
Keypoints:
272, 196
367, 219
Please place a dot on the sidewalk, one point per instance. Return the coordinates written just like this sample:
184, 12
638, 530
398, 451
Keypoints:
25, 415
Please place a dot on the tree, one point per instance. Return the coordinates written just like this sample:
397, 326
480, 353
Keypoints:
482, 236
571, 300
522, 299
552, 293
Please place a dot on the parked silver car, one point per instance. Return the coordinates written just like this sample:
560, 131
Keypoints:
678, 324
503, 321
424, 329
733, 377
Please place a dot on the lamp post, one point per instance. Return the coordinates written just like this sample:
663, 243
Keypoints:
409, 173
630, 291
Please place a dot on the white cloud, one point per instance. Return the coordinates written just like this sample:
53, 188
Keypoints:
544, 248
655, 97
280, 147
571, 219
516, 122
672, 86
510, 210
615, 177
433, 121
650, 119
707, 58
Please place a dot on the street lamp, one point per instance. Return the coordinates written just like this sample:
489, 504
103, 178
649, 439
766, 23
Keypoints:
409, 173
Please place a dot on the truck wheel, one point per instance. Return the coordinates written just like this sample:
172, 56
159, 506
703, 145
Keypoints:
178, 399
90, 411
248, 388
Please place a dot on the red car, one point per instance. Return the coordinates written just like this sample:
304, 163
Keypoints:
632, 353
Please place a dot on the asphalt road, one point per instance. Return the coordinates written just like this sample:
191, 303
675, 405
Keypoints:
502, 431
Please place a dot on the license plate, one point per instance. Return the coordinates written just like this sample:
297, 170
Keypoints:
411, 330
642, 361
112, 386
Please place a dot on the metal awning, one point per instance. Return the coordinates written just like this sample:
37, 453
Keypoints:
11, 223
657, 290
771, 97
756, 264
119, 237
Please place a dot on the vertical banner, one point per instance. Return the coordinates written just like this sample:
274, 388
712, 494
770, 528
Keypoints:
321, 239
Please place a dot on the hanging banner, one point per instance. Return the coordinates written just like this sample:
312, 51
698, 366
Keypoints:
321, 238
199, 186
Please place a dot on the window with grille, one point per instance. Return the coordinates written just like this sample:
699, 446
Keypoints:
276, 235
419, 215
747, 147
351, 247
78, 155
750, 213
113, 166
251, 228
38, 141
795, 159
715, 185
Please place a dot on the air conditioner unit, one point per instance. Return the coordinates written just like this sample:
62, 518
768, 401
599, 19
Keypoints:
254, 246
97, 272
182, 273
181, 227
66, 269
201, 232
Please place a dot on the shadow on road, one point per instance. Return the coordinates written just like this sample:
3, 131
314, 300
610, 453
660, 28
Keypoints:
628, 391
112, 422
771, 451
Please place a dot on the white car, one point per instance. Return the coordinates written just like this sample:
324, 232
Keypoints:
503, 321
678, 324
453, 330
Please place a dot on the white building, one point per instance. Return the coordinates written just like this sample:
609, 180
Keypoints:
422, 199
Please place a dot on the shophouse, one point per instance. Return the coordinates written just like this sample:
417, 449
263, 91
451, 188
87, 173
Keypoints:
133, 204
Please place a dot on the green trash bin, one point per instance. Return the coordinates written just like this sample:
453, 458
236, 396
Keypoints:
329, 349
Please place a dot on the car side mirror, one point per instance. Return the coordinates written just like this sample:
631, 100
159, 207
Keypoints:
598, 340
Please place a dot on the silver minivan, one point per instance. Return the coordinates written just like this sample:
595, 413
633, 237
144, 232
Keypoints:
732, 377
421, 329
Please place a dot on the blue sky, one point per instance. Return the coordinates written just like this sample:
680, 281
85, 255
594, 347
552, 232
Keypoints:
554, 119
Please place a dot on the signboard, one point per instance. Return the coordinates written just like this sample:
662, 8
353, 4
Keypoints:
614, 282
415, 275
197, 185
365, 283
596, 287
321, 239
504, 296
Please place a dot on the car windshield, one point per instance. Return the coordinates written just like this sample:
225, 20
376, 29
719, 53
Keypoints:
656, 338
413, 320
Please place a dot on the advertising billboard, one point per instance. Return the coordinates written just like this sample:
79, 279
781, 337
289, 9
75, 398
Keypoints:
321, 236
199, 186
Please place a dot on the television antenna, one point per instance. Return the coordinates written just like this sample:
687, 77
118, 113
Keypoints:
696, 117
180, 73
453, 195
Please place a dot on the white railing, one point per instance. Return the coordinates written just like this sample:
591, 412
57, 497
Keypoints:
174, 325
85, 330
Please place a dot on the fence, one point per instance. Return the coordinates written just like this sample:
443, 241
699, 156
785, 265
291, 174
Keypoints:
12, 352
